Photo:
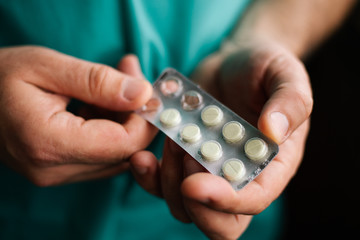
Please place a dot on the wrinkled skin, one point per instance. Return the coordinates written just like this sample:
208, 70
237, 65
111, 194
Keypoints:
268, 86
41, 140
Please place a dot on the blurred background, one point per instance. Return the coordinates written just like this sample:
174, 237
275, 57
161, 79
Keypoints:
323, 199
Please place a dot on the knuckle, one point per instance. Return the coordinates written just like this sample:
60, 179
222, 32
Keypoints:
180, 215
35, 158
128, 149
226, 236
306, 101
97, 78
37, 171
131, 149
259, 208
33, 155
121, 146
42, 181
38, 181
38, 162
305, 96
38, 157
308, 104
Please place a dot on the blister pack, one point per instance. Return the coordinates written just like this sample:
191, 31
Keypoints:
220, 140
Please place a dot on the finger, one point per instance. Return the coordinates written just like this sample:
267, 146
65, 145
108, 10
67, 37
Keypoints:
191, 166
98, 140
146, 170
65, 138
130, 65
71, 173
98, 172
92, 83
171, 179
215, 224
216, 193
290, 102
49, 135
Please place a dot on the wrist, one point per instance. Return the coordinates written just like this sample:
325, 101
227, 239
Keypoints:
255, 40
297, 26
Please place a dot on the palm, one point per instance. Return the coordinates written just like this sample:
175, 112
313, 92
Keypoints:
244, 82
259, 82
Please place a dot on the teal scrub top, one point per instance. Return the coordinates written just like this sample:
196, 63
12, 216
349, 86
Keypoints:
162, 33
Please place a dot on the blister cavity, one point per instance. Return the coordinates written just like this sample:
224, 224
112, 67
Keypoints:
220, 140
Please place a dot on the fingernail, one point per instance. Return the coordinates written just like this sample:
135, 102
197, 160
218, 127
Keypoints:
139, 170
132, 88
280, 126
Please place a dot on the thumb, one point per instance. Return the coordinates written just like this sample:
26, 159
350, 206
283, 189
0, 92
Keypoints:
93, 83
290, 102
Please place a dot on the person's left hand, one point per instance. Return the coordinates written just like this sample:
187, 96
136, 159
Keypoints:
265, 84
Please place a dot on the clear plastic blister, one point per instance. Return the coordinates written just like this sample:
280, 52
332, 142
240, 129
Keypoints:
220, 140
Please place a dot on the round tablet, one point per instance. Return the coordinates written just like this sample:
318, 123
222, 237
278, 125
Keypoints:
171, 87
233, 132
233, 169
170, 117
190, 133
256, 149
211, 115
211, 150
191, 100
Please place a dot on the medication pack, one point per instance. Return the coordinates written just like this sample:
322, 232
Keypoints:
220, 140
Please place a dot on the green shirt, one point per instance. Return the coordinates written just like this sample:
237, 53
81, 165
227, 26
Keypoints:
162, 33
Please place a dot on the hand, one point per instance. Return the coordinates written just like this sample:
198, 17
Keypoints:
265, 84
48, 144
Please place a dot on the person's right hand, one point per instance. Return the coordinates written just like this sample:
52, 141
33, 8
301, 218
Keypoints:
40, 139
265, 83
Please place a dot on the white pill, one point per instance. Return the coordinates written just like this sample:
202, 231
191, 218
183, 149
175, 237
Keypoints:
211, 115
170, 117
190, 133
211, 150
256, 149
233, 169
233, 132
